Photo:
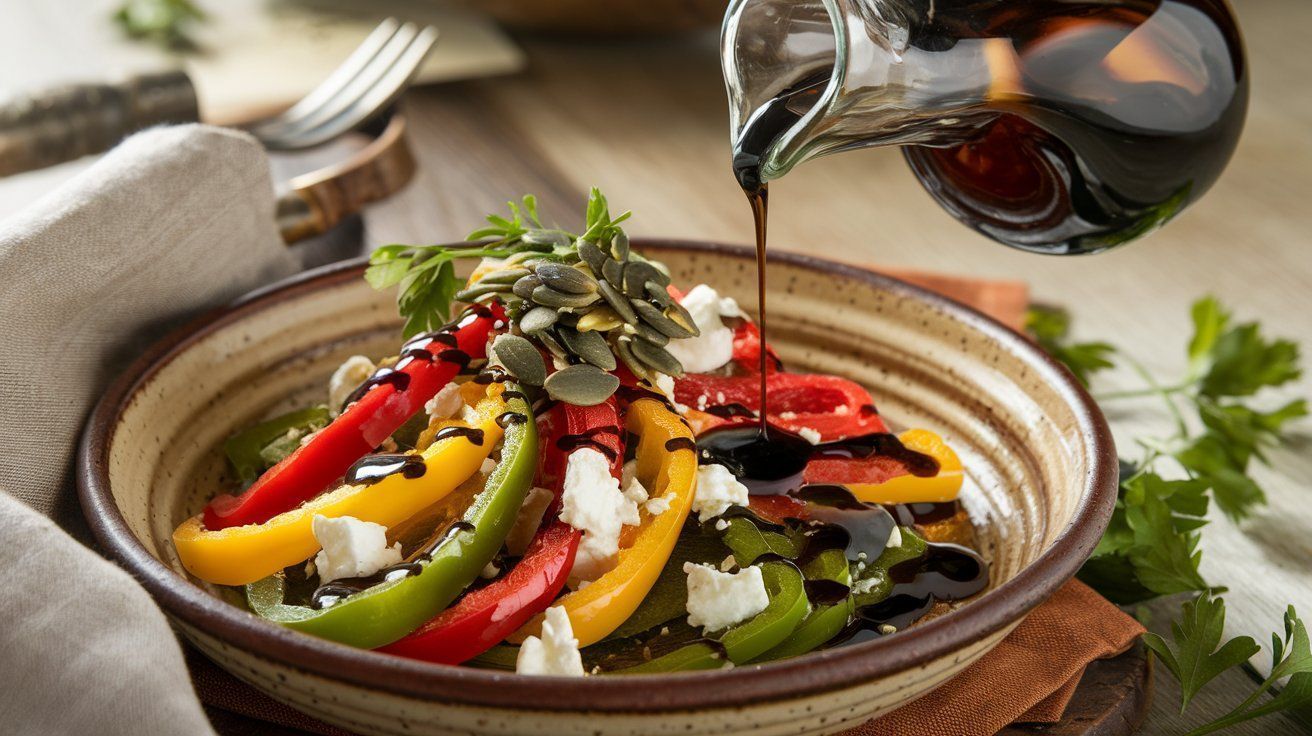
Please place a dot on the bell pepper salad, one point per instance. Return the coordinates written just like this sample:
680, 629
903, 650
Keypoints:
559, 479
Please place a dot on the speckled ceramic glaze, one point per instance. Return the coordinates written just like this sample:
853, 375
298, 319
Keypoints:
1039, 457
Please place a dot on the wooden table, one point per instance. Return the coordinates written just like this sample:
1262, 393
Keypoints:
647, 122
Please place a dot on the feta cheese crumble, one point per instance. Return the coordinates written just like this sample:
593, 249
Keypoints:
894, 538
718, 600
714, 346
351, 548
593, 503
717, 490
445, 403
529, 519
810, 435
350, 374
556, 652
657, 506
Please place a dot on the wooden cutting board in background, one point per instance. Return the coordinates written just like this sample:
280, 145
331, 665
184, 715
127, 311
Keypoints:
254, 56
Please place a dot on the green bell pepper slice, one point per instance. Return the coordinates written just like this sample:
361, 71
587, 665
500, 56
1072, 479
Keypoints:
746, 641
388, 611
873, 581
748, 542
255, 449
825, 621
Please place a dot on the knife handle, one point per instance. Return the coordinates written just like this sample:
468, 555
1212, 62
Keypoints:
75, 120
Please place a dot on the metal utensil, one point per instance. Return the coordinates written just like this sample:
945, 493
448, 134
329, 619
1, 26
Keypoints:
76, 120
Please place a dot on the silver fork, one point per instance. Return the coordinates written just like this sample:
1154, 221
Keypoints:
370, 80
73, 120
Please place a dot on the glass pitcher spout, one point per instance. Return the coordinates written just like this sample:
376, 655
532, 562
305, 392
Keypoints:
1060, 126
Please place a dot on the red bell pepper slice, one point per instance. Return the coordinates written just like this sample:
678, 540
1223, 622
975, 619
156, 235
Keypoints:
363, 425
747, 349
746, 342
835, 407
486, 616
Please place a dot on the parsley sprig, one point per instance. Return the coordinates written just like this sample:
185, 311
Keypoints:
1197, 656
426, 274
1150, 548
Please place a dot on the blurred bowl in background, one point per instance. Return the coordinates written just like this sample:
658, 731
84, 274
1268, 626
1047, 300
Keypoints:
604, 17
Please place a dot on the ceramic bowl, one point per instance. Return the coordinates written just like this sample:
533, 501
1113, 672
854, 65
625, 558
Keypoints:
1040, 460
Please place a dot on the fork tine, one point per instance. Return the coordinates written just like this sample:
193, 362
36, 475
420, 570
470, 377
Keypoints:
376, 98
357, 87
335, 82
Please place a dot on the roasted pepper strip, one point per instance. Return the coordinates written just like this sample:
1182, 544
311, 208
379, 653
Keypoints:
824, 622
835, 407
388, 611
749, 640
870, 481
361, 427
598, 609
244, 554
488, 615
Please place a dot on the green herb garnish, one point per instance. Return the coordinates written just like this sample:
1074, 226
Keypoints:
1196, 656
1150, 548
163, 22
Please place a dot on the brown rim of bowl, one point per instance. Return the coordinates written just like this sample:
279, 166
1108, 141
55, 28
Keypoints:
809, 674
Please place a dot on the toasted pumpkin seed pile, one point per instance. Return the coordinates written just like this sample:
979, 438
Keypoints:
587, 303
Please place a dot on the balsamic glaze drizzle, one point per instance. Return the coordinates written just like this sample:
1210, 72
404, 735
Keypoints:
570, 442
675, 444
413, 566
731, 410
371, 469
776, 464
473, 434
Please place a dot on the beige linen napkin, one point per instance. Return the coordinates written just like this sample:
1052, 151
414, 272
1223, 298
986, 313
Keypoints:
173, 221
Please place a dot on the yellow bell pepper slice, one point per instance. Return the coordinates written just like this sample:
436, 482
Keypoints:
598, 609
913, 489
243, 554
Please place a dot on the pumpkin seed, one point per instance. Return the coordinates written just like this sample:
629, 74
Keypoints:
524, 287
549, 297
657, 293
591, 255
545, 237
565, 278
521, 358
680, 315
636, 276
581, 385
613, 271
477, 290
657, 319
624, 348
504, 276
537, 319
590, 346
619, 245
601, 319
618, 302
656, 357
553, 346
644, 332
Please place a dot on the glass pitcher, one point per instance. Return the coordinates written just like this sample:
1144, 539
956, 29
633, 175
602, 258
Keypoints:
1056, 126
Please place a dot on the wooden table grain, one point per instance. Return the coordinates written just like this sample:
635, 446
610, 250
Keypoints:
646, 121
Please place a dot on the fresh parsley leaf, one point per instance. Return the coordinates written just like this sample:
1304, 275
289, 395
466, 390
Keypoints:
1050, 327
163, 22
1223, 466
1241, 362
1150, 546
1196, 656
